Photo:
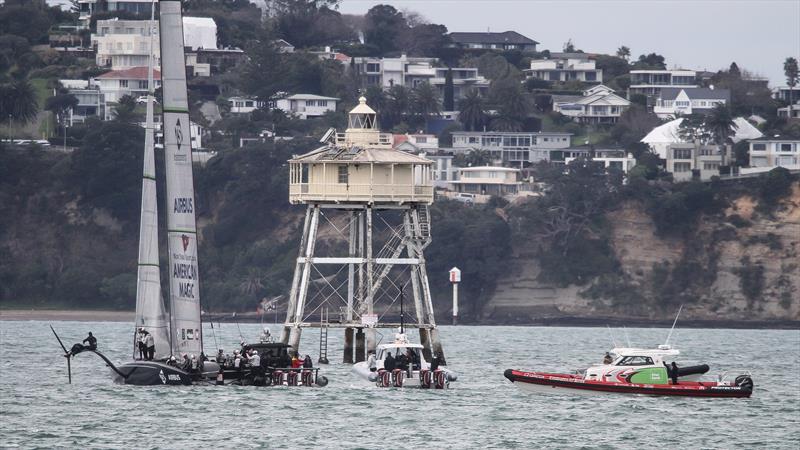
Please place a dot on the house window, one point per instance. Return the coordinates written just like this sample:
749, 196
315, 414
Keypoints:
142, 84
248, 103
710, 166
682, 167
682, 104
373, 67
681, 153
342, 173
310, 103
123, 83
322, 103
591, 76
786, 147
759, 147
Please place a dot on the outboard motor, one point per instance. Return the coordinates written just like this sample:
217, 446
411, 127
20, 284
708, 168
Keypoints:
291, 378
307, 378
425, 379
399, 375
384, 378
277, 377
745, 382
439, 379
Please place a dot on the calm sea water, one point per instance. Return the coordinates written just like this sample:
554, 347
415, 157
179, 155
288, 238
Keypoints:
39, 409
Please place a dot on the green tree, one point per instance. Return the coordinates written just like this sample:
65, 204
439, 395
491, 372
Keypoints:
125, 110
18, 101
719, 123
383, 25
398, 105
478, 157
425, 100
472, 111
61, 105
650, 61
624, 52
790, 69
449, 103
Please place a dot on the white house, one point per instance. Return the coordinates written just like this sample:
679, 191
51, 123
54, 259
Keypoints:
119, 83
790, 113
122, 44
774, 152
416, 143
244, 105
686, 160
306, 105
565, 67
597, 105
661, 137
786, 93
510, 147
650, 82
444, 172
87, 8
412, 71
488, 180
673, 102
611, 158
91, 101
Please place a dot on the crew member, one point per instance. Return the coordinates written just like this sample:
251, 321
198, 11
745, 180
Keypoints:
140, 343
307, 364
255, 360
435, 361
265, 335
296, 361
372, 363
92, 341
194, 364
608, 359
389, 363
150, 345
674, 373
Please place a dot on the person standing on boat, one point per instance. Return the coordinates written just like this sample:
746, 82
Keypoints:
255, 360
296, 361
150, 346
140, 343
92, 341
372, 363
435, 361
307, 363
389, 362
674, 373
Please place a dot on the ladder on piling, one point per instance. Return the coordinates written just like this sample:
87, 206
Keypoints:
323, 337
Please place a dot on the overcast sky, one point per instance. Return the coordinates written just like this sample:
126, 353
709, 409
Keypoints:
691, 34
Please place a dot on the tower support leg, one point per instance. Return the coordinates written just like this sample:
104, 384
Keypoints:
348, 346
360, 345
424, 340
436, 345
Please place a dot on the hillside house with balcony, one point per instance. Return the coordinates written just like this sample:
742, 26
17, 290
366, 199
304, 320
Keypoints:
650, 82
119, 83
563, 67
506, 40
306, 106
774, 152
512, 148
674, 102
488, 180
597, 105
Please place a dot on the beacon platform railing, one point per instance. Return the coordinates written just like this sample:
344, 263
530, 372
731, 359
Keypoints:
305, 192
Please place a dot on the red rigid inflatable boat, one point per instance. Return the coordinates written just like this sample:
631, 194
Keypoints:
547, 382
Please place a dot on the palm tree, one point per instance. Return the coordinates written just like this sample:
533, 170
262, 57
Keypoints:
125, 111
478, 157
792, 73
425, 101
18, 102
398, 103
472, 110
505, 122
720, 125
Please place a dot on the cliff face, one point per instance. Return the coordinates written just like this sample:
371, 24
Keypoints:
739, 266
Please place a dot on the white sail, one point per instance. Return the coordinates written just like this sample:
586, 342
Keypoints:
150, 313
181, 231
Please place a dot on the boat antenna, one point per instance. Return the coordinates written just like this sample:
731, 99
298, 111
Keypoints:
673, 325
241, 338
613, 340
627, 338
402, 328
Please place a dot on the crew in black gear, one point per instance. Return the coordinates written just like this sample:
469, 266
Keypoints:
92, 341
435, 363
307, 364
674, 373
389, 363
402, 362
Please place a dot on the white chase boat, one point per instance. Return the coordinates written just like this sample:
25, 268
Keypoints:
402, 364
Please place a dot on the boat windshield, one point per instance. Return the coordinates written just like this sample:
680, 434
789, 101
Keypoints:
411, 352
635, 361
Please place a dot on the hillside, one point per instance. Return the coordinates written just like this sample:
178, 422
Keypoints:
69, 224
730, 273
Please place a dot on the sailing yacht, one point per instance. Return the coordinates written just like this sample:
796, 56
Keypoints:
177, 335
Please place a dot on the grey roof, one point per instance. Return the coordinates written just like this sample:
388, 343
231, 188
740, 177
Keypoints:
506, 37
669, 93
330, 153
566, 98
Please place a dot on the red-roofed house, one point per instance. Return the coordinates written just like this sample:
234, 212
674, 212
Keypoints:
119, 83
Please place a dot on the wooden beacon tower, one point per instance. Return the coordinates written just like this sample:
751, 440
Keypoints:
366, 226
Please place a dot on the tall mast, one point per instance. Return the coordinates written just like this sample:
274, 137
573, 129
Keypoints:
183, 270
150, 312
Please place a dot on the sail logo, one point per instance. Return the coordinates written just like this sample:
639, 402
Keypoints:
185, 241
178, 134
183, 205
161, 375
